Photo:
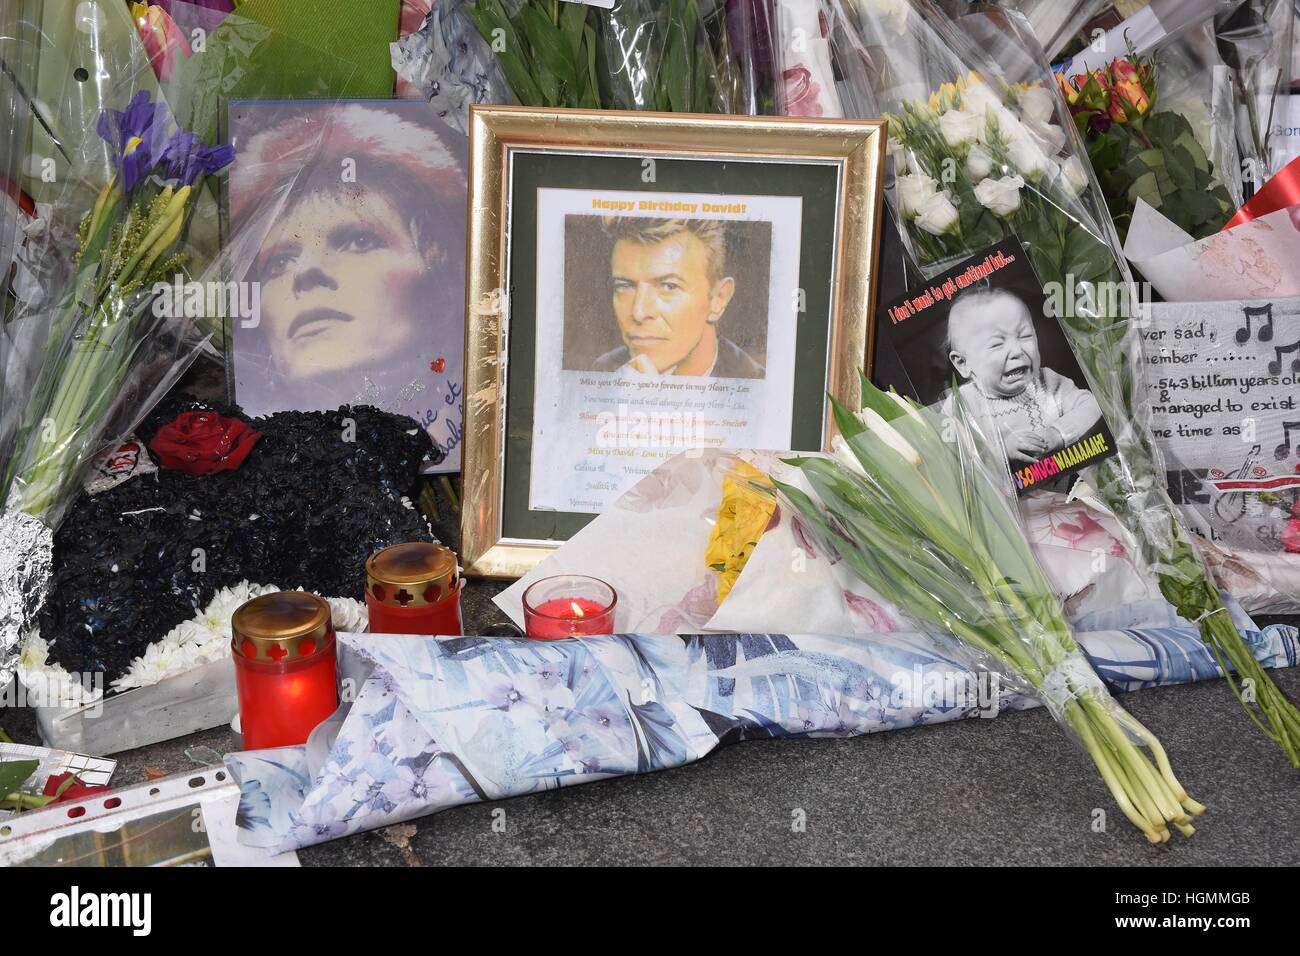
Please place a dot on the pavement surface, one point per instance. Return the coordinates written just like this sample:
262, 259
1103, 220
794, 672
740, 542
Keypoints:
1009, 791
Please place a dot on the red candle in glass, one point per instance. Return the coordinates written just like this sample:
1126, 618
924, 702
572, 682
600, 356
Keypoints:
567, 605
413, 588
285, 667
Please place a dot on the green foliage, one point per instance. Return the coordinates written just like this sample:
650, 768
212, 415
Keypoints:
13, 774
1160, 161
547, 51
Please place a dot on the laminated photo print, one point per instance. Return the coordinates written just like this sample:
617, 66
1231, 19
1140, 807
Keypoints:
986, 328
356, 261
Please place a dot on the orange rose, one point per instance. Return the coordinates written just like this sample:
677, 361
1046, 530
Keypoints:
1129, 97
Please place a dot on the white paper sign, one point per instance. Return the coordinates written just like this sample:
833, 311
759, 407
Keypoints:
1223, 379
1255, 260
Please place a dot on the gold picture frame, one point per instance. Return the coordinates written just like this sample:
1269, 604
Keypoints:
854, 148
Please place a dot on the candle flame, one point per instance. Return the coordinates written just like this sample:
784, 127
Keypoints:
577, 609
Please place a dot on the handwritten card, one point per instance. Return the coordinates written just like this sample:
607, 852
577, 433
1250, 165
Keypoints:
1223, 380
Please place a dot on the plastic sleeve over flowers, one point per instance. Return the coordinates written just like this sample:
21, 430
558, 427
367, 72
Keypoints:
636, 55
983, 148
909, 502
136, 213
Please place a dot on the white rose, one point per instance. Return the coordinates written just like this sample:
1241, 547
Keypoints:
1000, 196
1007, 125
937, 215
913, 190
893, 13
1037, 104
1074, 178
979, 99
1028, 158
960, 127
978, 163
1048, 135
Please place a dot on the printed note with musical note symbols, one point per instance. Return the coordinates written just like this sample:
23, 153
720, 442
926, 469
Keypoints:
1284, 450
1275, 366
1265, 329
1223, 382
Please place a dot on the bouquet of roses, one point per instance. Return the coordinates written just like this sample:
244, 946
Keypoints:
1141, 152
980, 156
924, 522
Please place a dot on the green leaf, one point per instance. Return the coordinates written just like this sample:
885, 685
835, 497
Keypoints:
14, 773
1146, 187
1087, 257
573, 24
591, 95
550, 50
845, 420
1105, 152
491, 22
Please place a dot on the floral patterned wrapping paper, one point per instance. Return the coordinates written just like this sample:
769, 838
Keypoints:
445, 721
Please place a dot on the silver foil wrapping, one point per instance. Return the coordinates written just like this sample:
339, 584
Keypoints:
26, 557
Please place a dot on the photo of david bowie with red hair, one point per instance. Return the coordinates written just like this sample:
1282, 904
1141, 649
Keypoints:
361, 266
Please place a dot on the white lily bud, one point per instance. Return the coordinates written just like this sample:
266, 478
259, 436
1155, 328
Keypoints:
844, 455
908, 407
887, 434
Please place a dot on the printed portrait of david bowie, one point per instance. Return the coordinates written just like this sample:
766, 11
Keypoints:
671, 289
993, 346
358, 276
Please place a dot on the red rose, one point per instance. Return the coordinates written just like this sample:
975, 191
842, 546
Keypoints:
201, 443
74, 791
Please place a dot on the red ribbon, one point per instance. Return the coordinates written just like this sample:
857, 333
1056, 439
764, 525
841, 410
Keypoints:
1281, 191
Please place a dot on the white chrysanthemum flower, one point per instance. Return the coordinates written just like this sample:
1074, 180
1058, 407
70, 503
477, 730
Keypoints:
349, 615
206, 637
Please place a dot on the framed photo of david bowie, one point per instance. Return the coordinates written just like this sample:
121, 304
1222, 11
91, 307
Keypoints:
643, 284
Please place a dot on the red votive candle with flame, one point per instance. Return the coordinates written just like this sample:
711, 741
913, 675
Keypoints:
285, 667
567, 605
413, 588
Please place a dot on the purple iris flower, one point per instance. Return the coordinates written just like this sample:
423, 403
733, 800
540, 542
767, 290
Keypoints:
188, 158
143, 120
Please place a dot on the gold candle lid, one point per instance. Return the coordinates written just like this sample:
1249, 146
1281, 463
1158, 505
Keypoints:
283, 626
413, 574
